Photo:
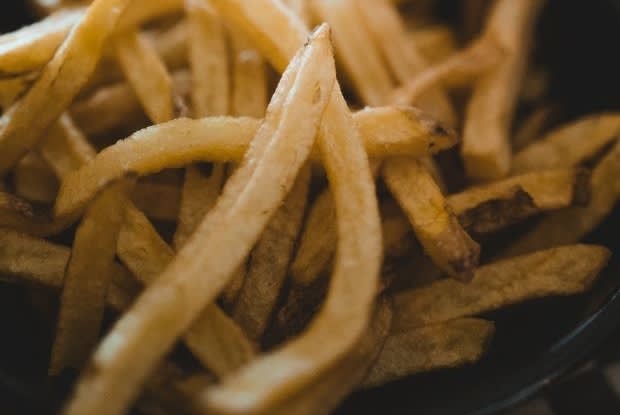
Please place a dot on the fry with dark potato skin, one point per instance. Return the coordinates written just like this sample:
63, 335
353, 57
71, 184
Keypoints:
558, 271
228, 233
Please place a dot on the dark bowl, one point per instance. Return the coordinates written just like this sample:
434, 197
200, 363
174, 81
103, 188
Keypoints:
535, 342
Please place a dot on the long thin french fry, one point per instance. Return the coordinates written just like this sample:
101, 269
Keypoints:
27, 120
570, 225
486, 147
269, 262
213, 337
228, 232
13, 88
558, 271
565, 146
249, 78
183, 141
88, 275
147, 75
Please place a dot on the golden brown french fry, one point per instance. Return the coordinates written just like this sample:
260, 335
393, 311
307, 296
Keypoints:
227, 233
558, 271
269, 380
213, 337
208, 59
496, 205
66, 148
34, 180
11, 89
324, 395
199, 196
18, 214
450, 344
486, 148
405, 60
87, 278
61, 79
533, 127
570, 225
249, 78
434, 224
355, 50
566, 146
146, 74
269, 262
157, 200
43, 263
436, 43
220, 139
459, 70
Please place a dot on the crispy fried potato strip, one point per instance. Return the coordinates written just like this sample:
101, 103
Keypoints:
24, 258
147, 75
11, 89
324, 395
269, 262
87, 278
569, 225
486, 147
570, 144
192, 280
450, 344
24, 124
18, 214
355, 50
183, 141
558, 271
249, 78
434, 224
213, 338
490, 207
34, 180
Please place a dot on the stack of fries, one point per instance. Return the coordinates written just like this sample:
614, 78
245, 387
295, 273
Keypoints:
318, 249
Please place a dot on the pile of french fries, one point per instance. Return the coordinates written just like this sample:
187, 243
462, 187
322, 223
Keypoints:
318, 246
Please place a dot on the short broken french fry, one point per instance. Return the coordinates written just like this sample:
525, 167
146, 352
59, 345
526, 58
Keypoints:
434, 223
558, 271
486, 149
490, 207
87, 278
444, 345
570, 144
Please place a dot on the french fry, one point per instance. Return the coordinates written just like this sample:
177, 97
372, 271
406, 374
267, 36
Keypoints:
269, 262
570, 225
61, 79
19, 214
436, 43
249, 78
486, 148
434, 224
228, 233
494, 206
325, 395
458, 70
11, 89
405, 60
565, 146
146, 74
533, 127
199, 196
450, 344
208, 59
269, 380
87, 277
221, 139
213, 337
558, 271
355, 50
34, 180
27, 259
